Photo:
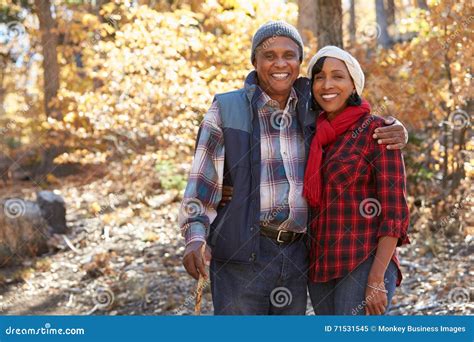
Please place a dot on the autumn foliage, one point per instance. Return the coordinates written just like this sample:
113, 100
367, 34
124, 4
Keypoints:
136, 82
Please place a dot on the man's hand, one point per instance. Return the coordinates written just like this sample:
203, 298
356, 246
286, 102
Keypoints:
195, 261
395, 136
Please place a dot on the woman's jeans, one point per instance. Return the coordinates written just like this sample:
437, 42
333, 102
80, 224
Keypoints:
346, 296
274, 284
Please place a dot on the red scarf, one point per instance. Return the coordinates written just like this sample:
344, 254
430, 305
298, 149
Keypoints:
326, 133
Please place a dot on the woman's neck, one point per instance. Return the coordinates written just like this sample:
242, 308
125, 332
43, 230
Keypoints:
332, 115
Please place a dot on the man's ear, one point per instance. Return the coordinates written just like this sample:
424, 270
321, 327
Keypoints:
254, 62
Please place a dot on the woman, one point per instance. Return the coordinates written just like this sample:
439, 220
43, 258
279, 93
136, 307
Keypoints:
356, 188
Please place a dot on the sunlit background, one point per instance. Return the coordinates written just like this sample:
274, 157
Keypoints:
100, 102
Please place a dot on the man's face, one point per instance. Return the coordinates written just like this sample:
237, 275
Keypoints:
277, 62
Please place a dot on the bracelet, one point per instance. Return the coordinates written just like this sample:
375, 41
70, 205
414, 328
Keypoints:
376, 288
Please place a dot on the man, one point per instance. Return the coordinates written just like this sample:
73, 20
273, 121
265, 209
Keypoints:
256, 139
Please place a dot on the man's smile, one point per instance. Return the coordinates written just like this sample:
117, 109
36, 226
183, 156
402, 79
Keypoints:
280, 76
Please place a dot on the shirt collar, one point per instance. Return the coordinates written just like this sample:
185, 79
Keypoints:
290, 104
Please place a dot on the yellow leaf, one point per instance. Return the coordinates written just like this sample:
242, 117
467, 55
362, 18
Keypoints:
95, 208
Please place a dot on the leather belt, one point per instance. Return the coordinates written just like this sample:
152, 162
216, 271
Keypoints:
281, 236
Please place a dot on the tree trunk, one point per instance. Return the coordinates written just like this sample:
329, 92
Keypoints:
26, 226
462, 140
96, 5
2, 89
307, 19
383, 37
422, 4
196, 5
49, 42
352, 23
329, 23
390, 10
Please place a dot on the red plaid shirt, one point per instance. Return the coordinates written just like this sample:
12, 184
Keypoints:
363, 199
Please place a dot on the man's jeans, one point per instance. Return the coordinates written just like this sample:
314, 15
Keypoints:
275, 284
346, 296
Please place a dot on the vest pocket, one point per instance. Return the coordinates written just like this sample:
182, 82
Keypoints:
217, 224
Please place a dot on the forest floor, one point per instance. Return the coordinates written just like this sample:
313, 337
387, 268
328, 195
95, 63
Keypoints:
124, 258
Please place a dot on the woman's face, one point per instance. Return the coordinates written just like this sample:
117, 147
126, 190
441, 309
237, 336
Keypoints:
333, 86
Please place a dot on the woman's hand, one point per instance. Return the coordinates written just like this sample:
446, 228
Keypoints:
227, 192
375, 297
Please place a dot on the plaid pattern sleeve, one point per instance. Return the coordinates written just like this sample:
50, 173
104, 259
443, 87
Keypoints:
390, 179
204, 189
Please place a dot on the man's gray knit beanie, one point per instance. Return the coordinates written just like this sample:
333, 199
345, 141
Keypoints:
276, 29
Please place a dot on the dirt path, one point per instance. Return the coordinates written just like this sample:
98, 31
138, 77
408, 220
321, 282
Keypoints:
127, 261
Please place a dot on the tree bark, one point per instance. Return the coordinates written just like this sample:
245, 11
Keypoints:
49, 42
383, 38
96, 5
352, 23
196, 5
390, 10
2, 89
329, 23
422, 4
307, 19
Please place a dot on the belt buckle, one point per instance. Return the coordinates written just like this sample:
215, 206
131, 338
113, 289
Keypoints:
278, 236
